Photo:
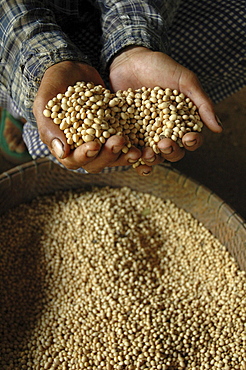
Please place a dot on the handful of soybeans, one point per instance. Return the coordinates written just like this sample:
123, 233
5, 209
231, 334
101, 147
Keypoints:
88, 112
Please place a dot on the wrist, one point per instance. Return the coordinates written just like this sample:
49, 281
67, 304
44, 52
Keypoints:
124, 54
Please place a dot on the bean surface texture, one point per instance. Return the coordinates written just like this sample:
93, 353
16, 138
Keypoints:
116, 279
144, 116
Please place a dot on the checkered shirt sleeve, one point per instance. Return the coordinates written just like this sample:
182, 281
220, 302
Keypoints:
132, 22
32, 38
30, 42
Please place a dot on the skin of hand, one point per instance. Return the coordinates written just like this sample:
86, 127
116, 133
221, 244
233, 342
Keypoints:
90, 156
136, 67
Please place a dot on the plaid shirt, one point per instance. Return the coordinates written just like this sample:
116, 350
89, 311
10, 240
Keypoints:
35, 35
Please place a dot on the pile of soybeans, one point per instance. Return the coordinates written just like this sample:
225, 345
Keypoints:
116, 279
86, 112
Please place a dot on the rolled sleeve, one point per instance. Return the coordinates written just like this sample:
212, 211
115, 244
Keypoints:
125, 23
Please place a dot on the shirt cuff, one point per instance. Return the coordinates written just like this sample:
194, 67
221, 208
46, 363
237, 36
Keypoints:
131, 36
132, 32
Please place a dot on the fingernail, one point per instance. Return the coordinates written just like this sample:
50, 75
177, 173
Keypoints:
131, 161
152, 159
190, 142
92, 153
58, 148
146, 173
167, 150
219, 121
116, 149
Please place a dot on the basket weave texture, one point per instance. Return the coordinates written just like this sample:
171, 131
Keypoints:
23, 183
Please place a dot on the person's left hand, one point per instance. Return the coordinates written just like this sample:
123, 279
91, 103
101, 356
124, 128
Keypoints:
136, 67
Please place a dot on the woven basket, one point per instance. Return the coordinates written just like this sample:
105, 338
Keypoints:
23, 183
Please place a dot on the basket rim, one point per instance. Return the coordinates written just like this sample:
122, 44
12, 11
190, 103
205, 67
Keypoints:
35, 164
207, 207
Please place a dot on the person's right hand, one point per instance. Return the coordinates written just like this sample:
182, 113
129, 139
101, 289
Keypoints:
90, 156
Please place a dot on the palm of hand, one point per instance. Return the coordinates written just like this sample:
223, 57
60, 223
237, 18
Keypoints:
138, 67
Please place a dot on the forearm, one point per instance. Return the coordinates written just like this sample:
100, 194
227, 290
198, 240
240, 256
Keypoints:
141, 23
31, 42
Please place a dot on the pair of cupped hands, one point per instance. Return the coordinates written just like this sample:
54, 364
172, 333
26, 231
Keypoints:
134, 67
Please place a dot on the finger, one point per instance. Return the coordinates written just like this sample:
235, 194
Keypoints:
192, 88
54, 138
144, 170
208, 116
108, 155
112, 155
131, 157
170, 150
192, 141
82, 156
150, 158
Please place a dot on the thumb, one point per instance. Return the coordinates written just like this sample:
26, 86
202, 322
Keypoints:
192, 88
52, 136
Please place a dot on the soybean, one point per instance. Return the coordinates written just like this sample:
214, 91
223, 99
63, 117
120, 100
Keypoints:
117, 279
125, 113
